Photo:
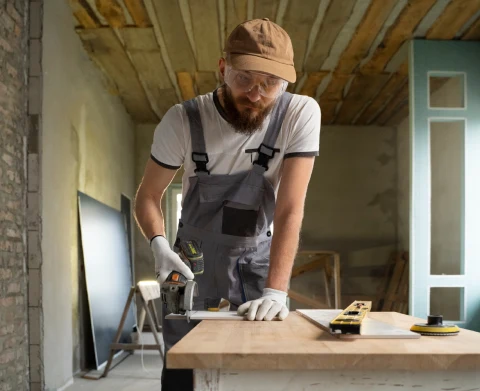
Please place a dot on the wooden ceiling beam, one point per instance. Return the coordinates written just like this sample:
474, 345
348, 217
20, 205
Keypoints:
185, 82
298, 21
311, 84
84, 14
328, 109
336, 15
473, 32
205, 81
453, 17
398, 33
112, 11
143, 49
398, 101
105, 49
401, 112
362, 40
207, 34
235, 13
138, 12
266, 9
385, 95
362, 90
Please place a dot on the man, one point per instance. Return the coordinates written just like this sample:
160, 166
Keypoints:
235, 145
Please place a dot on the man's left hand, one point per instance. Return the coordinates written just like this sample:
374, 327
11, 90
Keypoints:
272, 303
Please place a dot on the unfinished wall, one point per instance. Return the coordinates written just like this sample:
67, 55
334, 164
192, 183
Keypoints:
14, 346
87, 145
351, 208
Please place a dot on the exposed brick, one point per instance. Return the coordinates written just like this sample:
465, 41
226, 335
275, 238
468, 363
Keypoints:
14, 13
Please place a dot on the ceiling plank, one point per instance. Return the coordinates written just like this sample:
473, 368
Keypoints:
334, 90
298, 22
206, 82
400, 98
473, 32
235, 13
266, 9
207, 34
357, 49
401, 113
362, 89
84, 14
112, 11
185, 82
292, 86
145, 54
398, 33
328, 108
313, 81
105, 49
385, 95
337, 14
170, 23
454, 16
138, 12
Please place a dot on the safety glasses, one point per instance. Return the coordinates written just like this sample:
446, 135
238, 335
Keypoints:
245, 81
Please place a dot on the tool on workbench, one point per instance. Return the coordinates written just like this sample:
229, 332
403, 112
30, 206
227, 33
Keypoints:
435, 326
177, 292
349, 321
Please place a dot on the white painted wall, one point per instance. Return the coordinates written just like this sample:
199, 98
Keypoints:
88, 145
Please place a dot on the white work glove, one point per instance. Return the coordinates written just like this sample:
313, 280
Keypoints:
167, 260
272, 303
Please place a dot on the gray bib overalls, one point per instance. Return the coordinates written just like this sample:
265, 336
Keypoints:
229, 216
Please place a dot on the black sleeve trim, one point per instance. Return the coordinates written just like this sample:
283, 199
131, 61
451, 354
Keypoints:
163, 164
300, 154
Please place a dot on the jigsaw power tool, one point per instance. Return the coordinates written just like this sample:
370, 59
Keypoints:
177, 292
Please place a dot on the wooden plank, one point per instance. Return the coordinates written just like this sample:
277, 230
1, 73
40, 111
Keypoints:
84, 14
362, 89
394, 284
313, 81
385, 95
397, 34
235, 13
171, 24
185, 82
206, 33
266, 9
337, 14
138, 12
400, 98
112, 11
105, 49
298, 22
334, 90
366, 33
206, 82
401, 112
319, 262
328, 110
143, 49
292, 86
306, 300
453, 17
473, 32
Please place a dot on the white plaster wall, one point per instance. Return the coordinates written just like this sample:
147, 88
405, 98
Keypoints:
87, 145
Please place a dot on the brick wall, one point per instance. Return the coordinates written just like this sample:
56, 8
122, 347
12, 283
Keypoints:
14, 346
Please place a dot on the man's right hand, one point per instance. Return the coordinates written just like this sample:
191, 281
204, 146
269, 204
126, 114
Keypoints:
167, 260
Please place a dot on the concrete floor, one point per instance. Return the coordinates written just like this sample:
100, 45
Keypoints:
128, 375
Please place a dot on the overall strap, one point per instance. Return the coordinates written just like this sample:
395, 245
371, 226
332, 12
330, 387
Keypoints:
266, 151
199, 151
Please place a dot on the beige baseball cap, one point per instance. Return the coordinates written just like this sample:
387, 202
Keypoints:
263, 46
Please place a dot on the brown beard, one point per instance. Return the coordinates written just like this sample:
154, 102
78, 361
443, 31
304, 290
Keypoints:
242, 121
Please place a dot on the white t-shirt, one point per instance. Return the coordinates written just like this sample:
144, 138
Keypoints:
230, 152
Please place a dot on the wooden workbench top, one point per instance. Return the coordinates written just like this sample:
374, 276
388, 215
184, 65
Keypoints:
297, 344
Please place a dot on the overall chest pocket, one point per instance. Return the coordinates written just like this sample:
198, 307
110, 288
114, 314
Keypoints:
240, 207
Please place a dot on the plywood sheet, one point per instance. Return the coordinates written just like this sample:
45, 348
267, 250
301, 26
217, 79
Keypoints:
371, 328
